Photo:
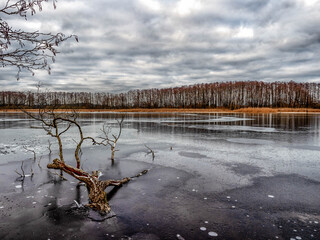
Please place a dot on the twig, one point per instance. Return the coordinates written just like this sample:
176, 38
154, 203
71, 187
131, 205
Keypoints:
49, 147
150, 151
22, 174
39, 163
30, 150
31, 170
141, 173
59, 175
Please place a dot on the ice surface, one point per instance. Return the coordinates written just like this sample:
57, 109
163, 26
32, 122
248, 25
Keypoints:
215, 120
250, 141
271, 143
234, 128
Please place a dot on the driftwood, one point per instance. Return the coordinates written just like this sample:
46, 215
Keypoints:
96, 188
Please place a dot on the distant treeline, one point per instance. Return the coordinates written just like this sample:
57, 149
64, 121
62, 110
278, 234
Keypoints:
230, 95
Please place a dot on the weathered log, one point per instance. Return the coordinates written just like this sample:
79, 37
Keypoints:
96, 188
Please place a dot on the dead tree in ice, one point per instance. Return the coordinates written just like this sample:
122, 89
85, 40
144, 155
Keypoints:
57, 124
111, 142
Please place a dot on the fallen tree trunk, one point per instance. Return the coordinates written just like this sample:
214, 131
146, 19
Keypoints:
96, 188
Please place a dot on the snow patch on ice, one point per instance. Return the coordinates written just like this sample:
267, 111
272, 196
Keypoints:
179, 237
213, 234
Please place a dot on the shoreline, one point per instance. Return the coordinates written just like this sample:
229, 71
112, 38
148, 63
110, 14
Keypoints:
183, 110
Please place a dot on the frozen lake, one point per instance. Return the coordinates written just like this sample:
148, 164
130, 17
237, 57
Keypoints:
219, 156
217, 146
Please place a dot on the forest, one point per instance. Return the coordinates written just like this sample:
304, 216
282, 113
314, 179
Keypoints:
231, 95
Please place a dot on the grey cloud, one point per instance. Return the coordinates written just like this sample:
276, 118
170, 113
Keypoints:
127, 45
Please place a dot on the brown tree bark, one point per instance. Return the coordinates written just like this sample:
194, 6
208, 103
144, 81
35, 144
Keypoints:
96, 188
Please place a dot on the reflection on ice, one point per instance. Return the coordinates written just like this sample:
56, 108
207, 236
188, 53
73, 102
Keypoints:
250, 141
214, 120
234, 128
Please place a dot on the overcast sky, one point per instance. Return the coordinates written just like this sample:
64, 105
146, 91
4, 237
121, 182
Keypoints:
131, 44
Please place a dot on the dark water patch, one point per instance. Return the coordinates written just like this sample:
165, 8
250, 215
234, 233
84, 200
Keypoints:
297, 228
153, 206
279, 193
143, 236
191, 154
244, 169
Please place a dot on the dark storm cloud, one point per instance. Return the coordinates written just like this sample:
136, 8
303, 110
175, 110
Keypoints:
129, 44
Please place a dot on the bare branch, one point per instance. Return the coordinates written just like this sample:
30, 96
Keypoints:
59, 175
22, 174
31, 150
39, 163
107, 141
27, 50
49, 147
150, 151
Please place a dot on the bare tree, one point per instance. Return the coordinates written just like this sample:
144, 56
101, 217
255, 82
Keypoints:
57, 124
27, 50
108, 141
